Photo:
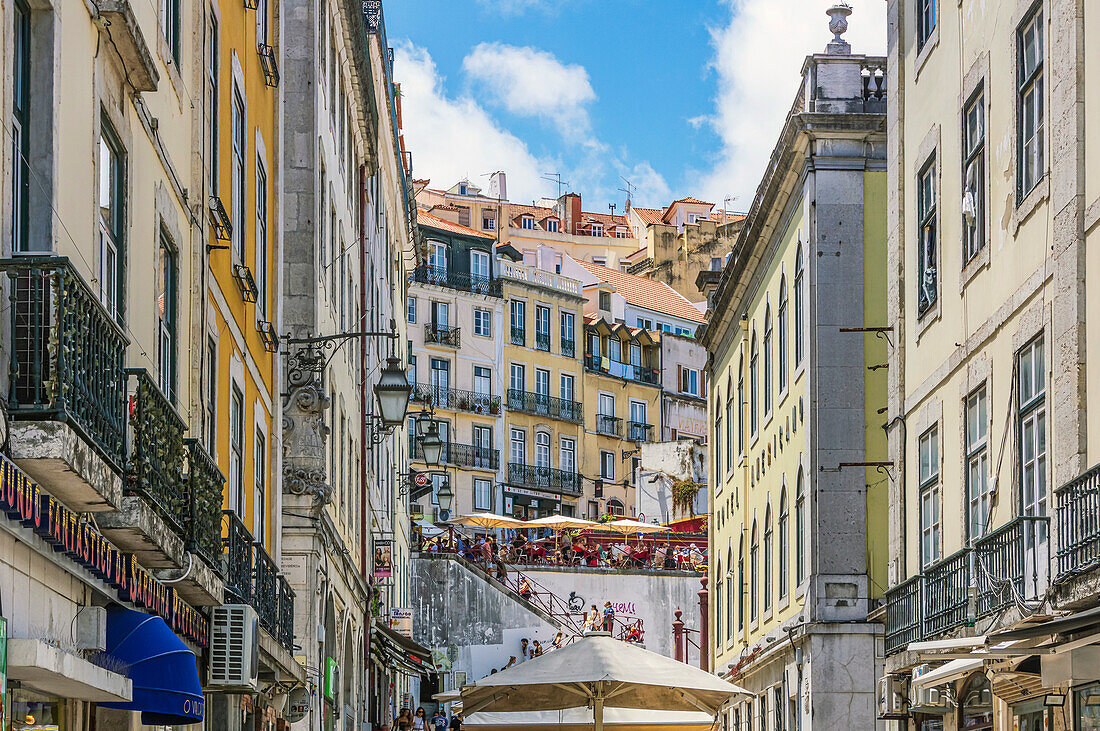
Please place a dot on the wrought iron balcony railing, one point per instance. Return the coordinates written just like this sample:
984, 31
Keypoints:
542, 341
205, 485
440, 277
610, 425
519, 336
156, 461
946, 585
638, 431
251, 577
544, 405
568, 348
903, 614
442, 335
285, 634
460, 455
265, 589
1012, 563
1078, 521
628, 371
237, 558
66, 355
456, 399
546, 478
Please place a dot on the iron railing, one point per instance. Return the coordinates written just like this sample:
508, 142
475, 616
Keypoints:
66, 356
546, 478
442, 335
544, 405
460, 455
542, 341
154, 469
628, 371
1078, 521
903, 614
237, 557
945, 590
519, 336
285, 634
265, 589
457, 399
1011, 563
440, 277
205, 485
638, 431
568, 348
610, 425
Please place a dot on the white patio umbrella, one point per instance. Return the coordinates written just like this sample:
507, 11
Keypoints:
600, 672
487, 520
559, 521
582, 719
627, 526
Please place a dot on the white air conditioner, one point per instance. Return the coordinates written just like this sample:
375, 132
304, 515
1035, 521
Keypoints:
934, 700
234, 647
416, 510
891, 697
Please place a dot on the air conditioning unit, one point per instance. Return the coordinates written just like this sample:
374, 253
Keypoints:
934, 700
90, 628
416, 509
234, 647
891, 697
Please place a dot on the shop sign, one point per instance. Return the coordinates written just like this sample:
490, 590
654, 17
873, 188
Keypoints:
383, 559
63, 529
531, 493
297, 704
3, 671
401, 621
332, 678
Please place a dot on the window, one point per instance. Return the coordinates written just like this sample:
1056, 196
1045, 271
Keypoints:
567, 392
542, 382
259, 514
166, 317
483, 380
488, 221
410, 310
754, 574
517, 380
483, 494
597, 230
799, 309
929, 478
542, 327
754, 385
645, 323
782, 334
441, 315
483, 447
689, 381
261, 241
437, 258
767, 360
21, 129
527, 223
211, 397
605, 301
768, 556
615, 507
479, 270
238, 182
784, 538
261, 22
552, 225
170, 27
926, 21
518, 318
741, 402
1031, 162
741, 580
112, 207
977, 464
973, 177
717, 440
517, 447
567, 455
236, 451
729, 428
441, 374
483, 322
927, 280
607, 464
1031, 392
542, 449
567, 328
799, 530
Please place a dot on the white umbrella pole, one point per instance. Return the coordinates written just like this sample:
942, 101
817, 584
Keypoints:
597, 713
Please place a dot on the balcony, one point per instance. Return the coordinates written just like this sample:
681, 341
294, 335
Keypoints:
568, 348
456, 399
542, 341
610, 425
946, 585
442, 277
618, 369
637, 431
443, 335
205, 485
1012, 563
460, 455
903, 615
544, 478
154, 470
1078, 520
66, 360
544, 405
253, 578
519, 336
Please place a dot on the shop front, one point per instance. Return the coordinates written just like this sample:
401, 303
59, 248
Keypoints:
524, 504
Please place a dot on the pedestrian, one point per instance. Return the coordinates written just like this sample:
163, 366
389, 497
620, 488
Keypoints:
592, 621
511, 662
536, 651
404, 720
420, 719
608, 617
456, 721
525, 588
558, 641
439, 720
523, 649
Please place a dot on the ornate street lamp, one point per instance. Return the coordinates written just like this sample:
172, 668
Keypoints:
393, 391
432, 445
444, 496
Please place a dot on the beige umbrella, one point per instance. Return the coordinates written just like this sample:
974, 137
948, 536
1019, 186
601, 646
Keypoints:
626, 527
599, 671
559, 521
581, 719
487, 520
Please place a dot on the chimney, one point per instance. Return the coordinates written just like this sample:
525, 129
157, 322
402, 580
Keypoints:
498, 185
571, 212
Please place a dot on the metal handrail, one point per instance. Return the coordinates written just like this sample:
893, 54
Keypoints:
545, 405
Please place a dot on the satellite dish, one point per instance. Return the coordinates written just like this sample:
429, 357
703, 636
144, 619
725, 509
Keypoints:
298, 706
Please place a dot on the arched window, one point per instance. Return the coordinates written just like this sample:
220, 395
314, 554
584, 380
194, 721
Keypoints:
784, 553
754, 385
977, 704
718, 595
730, 576
615, 507
718, 437
782, 363
542, 449
741, 402
729, 425
799, 305
799, 530
754, 574
741, 580
768, 556
767, 360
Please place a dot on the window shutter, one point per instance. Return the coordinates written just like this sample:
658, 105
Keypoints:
680, 377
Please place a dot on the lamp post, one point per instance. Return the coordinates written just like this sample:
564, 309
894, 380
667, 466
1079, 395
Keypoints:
432, 445
393, 392
445, 497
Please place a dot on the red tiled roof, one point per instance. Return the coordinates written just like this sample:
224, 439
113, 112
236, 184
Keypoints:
688, 199
649, 215
647, 293
424, 218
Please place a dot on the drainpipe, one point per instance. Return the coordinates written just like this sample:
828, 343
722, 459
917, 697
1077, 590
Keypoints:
363, 392
704, 625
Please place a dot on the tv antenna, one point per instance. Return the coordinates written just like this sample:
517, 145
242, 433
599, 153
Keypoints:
556, 179
629, 190
612, 207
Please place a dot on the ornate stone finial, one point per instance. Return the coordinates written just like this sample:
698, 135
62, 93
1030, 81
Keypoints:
838, 24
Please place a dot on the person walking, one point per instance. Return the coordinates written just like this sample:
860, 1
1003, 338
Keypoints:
439, 720
420, 719
558, 642
608, 617
592, 621
523, 649
536, 650
456, 721
404, 721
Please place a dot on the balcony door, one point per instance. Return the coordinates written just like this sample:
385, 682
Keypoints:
483, 447
441, 315
517, 447
437, 259
479, 271
1031, 392
441, 375
542, 390
542, 450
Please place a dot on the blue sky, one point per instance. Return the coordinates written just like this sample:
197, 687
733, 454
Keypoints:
682, 97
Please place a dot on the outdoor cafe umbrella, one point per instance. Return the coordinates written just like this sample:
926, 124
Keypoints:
599, 671
626, 527
581, 719
559, 521
488, 520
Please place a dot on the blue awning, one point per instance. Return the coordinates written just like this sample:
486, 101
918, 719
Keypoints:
161, 667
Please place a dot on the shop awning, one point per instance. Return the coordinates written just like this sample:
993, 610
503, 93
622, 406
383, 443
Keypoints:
394, 650
1086, 620
162, 669
949, 671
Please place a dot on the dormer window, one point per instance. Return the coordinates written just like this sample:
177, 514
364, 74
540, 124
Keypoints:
622, 233
552, 225
527, 222
605, 301
462, 190
597, 229
488, 221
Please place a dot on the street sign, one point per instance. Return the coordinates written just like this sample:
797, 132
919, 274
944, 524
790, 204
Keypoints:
421, 479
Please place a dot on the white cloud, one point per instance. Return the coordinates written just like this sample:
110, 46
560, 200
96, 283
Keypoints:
529, 82
455, 137
758, 59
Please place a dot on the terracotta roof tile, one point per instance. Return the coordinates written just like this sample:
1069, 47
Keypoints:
689, 199
649, 216
424, 218
647, 293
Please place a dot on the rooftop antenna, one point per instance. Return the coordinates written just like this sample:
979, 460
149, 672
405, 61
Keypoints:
725, 206
612, 207
629, 190
494, 192
556, 178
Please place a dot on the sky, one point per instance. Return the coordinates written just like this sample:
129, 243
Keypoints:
678, 97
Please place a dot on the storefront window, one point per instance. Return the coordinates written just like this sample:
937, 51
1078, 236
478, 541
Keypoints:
977, 705
925, 722
34, 712
1088, 708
